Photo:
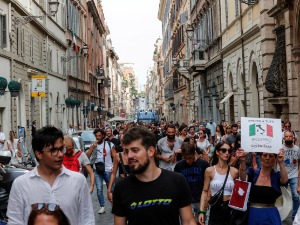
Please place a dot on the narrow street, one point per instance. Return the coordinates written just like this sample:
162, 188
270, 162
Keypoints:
107, 217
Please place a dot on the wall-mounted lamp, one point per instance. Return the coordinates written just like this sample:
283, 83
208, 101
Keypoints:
84, 52
249, 2
22, 20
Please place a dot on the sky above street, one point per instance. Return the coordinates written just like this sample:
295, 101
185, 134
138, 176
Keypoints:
134, 29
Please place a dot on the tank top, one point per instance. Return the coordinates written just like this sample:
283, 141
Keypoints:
217, 182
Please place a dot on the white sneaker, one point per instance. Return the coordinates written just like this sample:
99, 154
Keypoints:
102, 210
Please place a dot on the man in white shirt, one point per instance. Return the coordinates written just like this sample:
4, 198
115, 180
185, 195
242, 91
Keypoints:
101, 151
50, 182
2, 139
292, 164
70, 130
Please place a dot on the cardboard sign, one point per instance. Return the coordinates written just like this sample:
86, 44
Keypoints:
261, 135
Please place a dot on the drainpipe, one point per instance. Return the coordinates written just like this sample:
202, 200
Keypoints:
243, 62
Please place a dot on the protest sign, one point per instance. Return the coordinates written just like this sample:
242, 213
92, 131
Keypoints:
261, 134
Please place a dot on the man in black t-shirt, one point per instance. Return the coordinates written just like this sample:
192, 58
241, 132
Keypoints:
110, 137
149, 195
192, 168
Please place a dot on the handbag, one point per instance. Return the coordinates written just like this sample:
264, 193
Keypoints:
100, 166
217, 199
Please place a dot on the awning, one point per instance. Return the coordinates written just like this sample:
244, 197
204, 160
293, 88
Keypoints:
224, 100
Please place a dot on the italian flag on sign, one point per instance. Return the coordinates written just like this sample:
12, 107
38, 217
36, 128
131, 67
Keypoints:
261, 130
76, 49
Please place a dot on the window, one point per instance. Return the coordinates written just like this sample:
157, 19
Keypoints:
3, 31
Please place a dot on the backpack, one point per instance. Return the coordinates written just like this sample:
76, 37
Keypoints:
71, 163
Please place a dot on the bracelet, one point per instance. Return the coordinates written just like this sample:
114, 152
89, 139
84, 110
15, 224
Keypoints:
202, 211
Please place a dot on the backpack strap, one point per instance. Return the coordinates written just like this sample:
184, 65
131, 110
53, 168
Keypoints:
78, 154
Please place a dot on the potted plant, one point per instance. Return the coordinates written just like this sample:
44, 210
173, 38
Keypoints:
3, 85
14, 88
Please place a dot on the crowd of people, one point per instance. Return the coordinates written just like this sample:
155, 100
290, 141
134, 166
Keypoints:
155, 174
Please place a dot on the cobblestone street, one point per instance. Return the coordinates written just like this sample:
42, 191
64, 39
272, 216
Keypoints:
107, 217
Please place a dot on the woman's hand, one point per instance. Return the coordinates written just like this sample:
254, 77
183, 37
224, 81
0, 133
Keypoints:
280, 156
241, 154
202, 219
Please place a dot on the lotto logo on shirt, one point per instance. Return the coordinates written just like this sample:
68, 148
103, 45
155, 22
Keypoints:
151, 202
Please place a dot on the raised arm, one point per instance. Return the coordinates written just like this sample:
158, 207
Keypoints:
113, 177
203, 200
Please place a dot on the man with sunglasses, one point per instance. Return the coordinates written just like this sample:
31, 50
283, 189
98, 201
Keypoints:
50, 182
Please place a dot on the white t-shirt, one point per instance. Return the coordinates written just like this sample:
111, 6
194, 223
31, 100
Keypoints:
203, 145
108, 158
291, 157
14, 148
2, 137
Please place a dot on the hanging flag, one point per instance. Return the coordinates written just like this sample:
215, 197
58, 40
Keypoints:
76, 49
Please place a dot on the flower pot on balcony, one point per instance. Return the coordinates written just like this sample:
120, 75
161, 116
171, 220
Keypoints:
3, 85
77, 102
14, 88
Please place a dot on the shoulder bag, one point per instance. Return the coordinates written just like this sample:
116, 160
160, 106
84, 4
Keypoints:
217, 199
100, 166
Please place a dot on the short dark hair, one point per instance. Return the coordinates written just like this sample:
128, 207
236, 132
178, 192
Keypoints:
97, 130
172, 126
234, 125
147, 138
57, 214
45, 137
183, 126
187, 149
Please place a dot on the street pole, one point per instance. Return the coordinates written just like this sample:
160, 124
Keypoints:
85, 114
100, 114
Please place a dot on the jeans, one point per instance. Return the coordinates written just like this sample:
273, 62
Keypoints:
293, 182
99, 184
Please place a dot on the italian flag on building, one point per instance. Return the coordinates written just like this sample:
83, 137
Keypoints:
76, 48
261, 129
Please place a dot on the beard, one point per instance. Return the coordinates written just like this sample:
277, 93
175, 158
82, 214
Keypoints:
171, 137
141, 168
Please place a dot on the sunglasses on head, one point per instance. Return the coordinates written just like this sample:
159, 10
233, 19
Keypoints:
224, 150
51, 207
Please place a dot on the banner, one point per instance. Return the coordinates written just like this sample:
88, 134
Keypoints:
261, 135
38, 86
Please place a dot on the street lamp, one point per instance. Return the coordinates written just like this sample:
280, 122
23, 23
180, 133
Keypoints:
22, 20
84, 52
249, 2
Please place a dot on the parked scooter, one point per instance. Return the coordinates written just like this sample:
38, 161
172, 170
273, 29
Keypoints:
8, 174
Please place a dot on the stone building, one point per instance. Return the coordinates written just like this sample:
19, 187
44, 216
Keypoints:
32, 44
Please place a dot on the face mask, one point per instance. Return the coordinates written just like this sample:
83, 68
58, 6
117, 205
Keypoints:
69, 152
289, 142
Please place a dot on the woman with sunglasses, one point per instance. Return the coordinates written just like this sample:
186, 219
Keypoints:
265, 188
213, 181
50, 214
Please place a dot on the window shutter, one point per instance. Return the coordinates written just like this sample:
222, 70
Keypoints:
57, 64
19, 40
4, 31
23, 43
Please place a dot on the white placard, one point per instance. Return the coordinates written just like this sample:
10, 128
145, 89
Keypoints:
261, 134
